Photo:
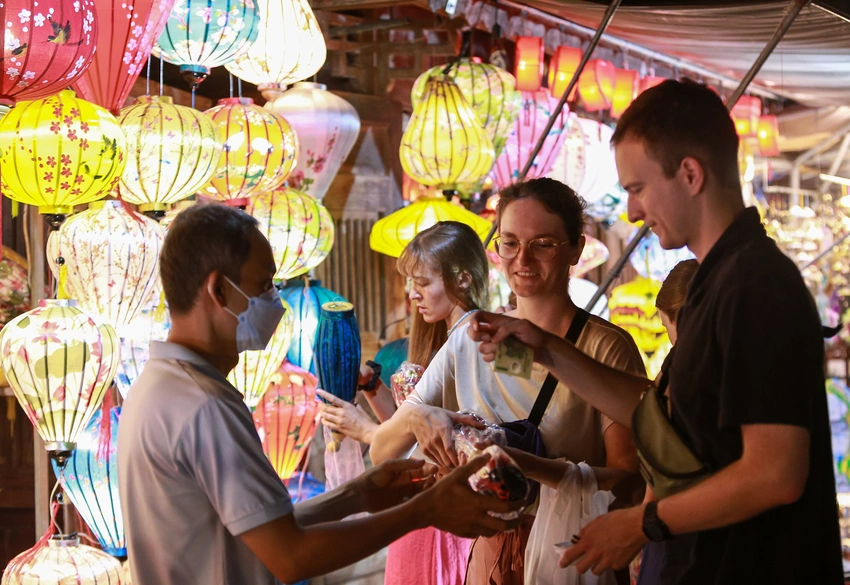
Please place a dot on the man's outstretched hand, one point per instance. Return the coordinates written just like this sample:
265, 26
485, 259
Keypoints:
489, 329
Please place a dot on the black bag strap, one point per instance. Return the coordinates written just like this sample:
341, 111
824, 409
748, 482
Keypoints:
551, 382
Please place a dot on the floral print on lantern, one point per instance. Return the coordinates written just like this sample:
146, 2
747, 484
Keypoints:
60, 560
59, 363
60, 152
47, 45
260, 149
299, 229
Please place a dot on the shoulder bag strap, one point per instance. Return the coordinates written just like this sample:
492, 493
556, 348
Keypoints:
548, 388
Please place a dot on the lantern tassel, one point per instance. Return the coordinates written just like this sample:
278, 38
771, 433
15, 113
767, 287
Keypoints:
104, 440
133, 213
16, 208
61, 291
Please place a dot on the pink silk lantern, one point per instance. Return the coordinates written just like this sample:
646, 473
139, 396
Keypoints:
128, 31
536, 108
286, 417
47, 44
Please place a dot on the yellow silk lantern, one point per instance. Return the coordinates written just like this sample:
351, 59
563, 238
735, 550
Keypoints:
172, 151
59, 363
289, 47
255, 370
107, 258
59, 152
299, 229
444, 143
391, 234
260, 149
632, 307
61, 559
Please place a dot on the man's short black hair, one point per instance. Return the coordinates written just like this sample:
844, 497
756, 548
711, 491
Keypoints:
201, 239
678, 119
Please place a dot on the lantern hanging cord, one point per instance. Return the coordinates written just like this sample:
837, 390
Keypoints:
193, 96
161, 79
464, 49
148, 82
230, 80
239, 86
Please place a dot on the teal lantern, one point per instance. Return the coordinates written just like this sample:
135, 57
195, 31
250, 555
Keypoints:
306, 300
201, 34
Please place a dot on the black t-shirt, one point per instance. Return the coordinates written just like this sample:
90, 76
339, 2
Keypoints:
750, 351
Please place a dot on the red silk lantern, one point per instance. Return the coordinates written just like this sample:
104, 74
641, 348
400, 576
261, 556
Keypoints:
625, 91
746, 113
529, 63
562, 68
128, 31
596, 85
768, 136
649, 81
47, 45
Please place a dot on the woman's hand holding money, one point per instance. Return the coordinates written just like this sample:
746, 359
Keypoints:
491, 329
432, 428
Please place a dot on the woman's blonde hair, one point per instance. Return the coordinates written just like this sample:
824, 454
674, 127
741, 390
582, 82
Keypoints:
449, 248
671, 297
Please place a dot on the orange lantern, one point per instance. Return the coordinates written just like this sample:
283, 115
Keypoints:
529, 63
596, 85
649, 81
746, 113
625, 91
562, 68
768, 135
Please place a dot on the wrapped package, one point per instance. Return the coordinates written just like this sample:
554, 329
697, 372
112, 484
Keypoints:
404, 381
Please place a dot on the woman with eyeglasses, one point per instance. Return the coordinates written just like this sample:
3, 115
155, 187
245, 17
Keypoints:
540, 238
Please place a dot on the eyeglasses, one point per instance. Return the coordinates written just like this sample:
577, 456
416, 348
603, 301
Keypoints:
540, 248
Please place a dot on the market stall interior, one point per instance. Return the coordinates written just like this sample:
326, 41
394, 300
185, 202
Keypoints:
346, 127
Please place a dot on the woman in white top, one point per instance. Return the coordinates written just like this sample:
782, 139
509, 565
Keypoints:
540, 238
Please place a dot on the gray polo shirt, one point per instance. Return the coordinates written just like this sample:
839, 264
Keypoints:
192, 476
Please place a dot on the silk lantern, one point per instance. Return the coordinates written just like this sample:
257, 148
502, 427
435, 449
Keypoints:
594, 255
632, 307
152, 324
14, 286
286, 417
625, 91
255, 369
649, 81
126, 35
61, 559
537, 108
745, 113
586, 162
201, 34
299, 229
391, 234
581, 293
768, 136
444, 143
47, 45
327, 127
90, 480
338, 355
306, 299
652, 261
528, 68
172, 151
59, 152
260, 150
109, 261
289, 47
59, 363
562, 69
490, 91
596, 85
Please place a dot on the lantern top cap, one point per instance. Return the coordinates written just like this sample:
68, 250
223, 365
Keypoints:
236, 100
64, 540
154, 99
57, 303
337, 307
310, 85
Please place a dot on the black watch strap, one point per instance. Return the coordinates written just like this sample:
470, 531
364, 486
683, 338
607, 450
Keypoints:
376, 376
653, 527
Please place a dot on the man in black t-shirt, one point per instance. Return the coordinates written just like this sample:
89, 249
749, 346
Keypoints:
746, 382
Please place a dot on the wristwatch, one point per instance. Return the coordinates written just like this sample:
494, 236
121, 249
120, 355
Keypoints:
653, 527
376, 377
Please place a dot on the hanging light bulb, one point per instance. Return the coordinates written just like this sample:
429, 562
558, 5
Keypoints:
172, 151
596, 85
490, 91
201, 34
289, 47
444, 143
562, 69
327, 127
260, 150
529, 63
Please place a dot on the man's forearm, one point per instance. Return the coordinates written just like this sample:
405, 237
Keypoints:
328, 507
610, 391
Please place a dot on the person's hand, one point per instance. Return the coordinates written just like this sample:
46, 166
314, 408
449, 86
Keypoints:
489, 329
391, 483
609, 542
432, 428
452, 506
346, 418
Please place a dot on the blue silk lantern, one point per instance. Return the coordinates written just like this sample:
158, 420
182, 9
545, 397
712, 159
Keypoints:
306, 300
90, 479
338, 354
391, 356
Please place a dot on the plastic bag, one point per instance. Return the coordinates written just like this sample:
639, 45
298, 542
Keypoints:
404, 380
562, 513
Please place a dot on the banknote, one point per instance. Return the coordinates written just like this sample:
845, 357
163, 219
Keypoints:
514, 358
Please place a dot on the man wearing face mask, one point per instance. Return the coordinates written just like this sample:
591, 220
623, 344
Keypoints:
201, 503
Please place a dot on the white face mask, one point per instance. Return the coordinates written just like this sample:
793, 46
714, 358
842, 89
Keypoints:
259, 321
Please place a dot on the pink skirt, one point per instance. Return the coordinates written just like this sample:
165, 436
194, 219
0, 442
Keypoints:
427, 557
